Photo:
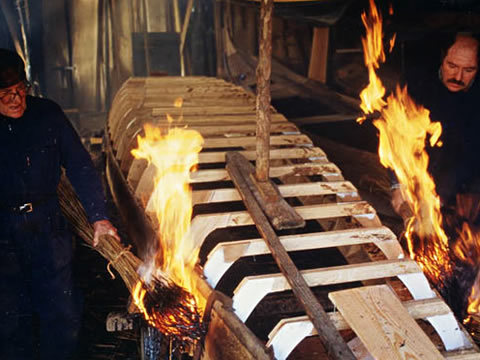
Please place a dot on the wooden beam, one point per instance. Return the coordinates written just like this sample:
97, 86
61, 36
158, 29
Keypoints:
338, 274
317, 69
176, 17
326, 331
183, 34
342, 189
225, 254
275, 154
329, 171
264, 72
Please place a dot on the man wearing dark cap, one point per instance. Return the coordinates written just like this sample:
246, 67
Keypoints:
36, 141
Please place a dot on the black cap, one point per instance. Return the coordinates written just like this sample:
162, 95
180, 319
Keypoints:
12, 68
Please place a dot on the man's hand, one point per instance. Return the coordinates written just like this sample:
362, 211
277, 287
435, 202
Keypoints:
104, 227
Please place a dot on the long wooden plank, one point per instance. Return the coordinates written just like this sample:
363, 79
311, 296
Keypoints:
417, 309
275, 154
215, 118
138, 166
338, 274
244, 129
235, 249
328, 334
242, 141
288, 333
135, 128
204, 224
344, 190
225, 254
329, 171
383, 324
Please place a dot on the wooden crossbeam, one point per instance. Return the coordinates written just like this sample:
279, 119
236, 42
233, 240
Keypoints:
225, 254
204, 224
340, 274
242, 141
344, 190
214, 118
329, 171
275, 154
129, 138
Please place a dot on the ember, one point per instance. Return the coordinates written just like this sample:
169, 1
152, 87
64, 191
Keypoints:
182, 320
446, 247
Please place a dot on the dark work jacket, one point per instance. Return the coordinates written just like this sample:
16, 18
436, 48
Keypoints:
455, 165
33, 150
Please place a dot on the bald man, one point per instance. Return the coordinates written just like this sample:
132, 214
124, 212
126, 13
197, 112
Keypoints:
452, 94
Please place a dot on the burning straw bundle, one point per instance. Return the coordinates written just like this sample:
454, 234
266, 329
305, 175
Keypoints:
166, 306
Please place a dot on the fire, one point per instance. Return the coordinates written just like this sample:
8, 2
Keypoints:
404, 130
174, 153
372, 95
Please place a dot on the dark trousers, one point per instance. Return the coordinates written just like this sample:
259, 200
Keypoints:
39, 307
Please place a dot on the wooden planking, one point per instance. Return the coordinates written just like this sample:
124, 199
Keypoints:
204, 224
329, 171
233, 250
245, 129
338, 274
206, 118
249, 141
275, 154
383, 324
136, 168
135, 128
417, 309
344, 189
224, 254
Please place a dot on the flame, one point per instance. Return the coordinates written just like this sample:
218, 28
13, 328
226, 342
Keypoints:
372, 95
174, 153
404, 129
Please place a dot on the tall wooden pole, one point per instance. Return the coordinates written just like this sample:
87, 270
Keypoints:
264, 70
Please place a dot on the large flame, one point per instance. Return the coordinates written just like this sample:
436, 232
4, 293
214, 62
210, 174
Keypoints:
174, 154
405, 129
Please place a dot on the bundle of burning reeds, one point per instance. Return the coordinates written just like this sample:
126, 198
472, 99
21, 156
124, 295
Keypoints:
164, 304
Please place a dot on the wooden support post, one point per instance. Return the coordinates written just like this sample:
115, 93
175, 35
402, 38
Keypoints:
176, 16
264, 71
183, 35
327, 332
